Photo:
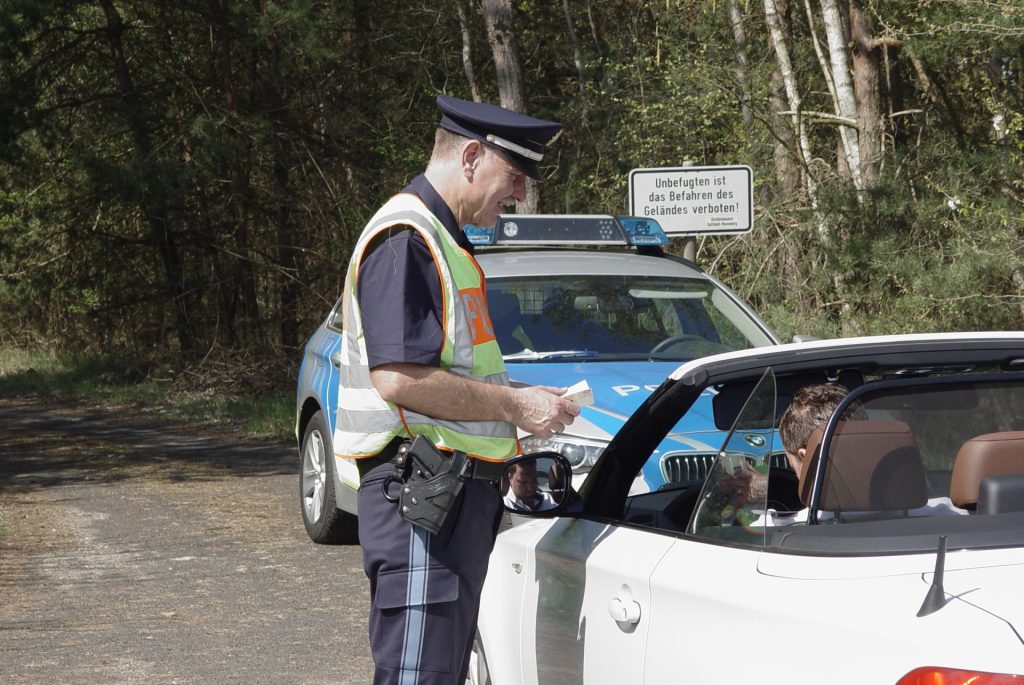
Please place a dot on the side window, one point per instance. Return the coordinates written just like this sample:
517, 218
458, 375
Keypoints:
721, 493
733, 501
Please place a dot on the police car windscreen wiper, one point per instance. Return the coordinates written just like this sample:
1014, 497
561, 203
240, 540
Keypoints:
669, 357
530, 355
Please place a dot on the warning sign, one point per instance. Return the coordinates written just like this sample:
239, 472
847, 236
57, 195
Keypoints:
692, 200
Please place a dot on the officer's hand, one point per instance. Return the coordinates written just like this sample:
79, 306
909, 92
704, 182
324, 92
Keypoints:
542, 411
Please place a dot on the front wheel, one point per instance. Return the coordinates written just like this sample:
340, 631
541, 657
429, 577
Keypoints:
325, 523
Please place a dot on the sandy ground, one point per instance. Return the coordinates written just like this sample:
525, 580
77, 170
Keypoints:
134, 550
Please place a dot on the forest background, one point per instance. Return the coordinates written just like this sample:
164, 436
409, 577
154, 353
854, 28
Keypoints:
184, 180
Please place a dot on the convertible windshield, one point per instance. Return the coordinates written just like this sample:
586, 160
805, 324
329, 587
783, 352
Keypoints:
624, 317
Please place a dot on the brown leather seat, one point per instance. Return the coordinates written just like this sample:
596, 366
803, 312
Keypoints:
992, 454
872, 466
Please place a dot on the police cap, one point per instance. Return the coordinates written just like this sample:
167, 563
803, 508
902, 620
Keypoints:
520, 137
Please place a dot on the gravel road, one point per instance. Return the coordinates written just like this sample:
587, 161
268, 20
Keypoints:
135, 550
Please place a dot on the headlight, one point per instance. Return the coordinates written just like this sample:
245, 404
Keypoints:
581, 453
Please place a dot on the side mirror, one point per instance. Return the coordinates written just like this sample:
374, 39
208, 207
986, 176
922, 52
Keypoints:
538, 484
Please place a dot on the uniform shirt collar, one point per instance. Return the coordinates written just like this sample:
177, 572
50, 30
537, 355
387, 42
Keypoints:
421, 188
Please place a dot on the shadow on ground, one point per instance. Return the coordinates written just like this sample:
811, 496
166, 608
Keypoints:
42, 445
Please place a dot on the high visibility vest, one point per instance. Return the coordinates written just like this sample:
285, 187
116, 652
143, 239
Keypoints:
366, 422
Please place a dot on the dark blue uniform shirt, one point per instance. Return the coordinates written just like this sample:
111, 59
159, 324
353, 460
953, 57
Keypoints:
399, 289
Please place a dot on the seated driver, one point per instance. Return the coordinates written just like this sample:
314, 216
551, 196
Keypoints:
523, 491
810, 409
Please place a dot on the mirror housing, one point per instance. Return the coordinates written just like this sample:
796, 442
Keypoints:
537, 484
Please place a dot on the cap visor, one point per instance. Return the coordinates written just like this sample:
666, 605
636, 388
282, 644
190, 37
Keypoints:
527, 166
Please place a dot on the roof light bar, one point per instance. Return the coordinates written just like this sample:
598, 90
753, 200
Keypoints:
568, 229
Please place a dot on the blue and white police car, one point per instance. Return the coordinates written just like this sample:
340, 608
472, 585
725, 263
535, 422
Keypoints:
571, 298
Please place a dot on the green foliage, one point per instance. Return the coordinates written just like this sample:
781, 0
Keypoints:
144, 385
33, 372
195, 178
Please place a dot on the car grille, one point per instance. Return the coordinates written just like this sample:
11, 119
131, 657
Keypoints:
680, 467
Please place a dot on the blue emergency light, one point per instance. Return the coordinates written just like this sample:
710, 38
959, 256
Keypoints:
643, 231
568, 229
478, 235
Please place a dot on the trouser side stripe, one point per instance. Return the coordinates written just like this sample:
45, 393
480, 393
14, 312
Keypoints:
416, 612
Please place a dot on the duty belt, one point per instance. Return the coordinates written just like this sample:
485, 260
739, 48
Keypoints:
431, 480
486, 470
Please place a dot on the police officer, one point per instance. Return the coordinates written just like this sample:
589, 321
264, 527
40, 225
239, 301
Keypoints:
420, 359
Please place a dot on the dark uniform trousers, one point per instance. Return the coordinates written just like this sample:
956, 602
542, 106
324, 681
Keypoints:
425, 588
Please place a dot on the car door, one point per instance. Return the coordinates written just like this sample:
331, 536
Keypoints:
604, 605
711, 614
587, 611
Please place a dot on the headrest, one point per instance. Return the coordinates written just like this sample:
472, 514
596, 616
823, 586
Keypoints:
992, 454
871, 466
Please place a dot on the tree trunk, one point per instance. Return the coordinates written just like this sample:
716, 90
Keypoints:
467, 49
773, 19
742, 80
935, 93
578, 60
784, 146
243, 278
499, 19
153, 207
846, 99
287, 262
866, 69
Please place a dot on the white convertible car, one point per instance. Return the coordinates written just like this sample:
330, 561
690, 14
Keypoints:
896, 556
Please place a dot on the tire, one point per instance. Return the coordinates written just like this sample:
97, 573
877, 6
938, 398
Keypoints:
479, 674
325, 523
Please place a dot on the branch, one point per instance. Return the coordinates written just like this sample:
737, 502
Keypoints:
825, 118
905, 112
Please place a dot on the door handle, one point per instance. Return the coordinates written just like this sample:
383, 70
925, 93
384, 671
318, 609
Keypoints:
336, 359
624, 609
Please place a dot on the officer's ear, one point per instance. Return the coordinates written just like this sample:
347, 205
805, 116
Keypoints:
471, 155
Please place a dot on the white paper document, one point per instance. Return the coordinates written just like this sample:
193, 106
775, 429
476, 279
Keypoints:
580, 393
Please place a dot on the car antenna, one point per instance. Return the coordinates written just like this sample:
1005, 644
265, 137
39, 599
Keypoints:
936, 597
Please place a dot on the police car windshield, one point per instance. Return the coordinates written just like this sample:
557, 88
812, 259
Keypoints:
608, 318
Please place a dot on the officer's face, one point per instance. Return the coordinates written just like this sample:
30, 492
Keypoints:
497, 184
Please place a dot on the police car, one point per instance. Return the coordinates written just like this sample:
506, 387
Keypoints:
572, 298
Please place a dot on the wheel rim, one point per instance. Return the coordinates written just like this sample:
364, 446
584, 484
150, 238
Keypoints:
314, 477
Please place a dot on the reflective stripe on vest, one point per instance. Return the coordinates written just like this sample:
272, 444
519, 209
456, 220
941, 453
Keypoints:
365, 421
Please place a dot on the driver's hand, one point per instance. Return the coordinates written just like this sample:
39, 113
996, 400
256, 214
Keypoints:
746, 486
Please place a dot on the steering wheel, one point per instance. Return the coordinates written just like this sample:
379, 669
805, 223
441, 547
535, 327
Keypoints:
675, 340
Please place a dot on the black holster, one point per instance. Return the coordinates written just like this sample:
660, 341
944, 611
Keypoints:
430, 482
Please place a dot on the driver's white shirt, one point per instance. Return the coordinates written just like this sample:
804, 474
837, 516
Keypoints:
542, 501
936, 506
